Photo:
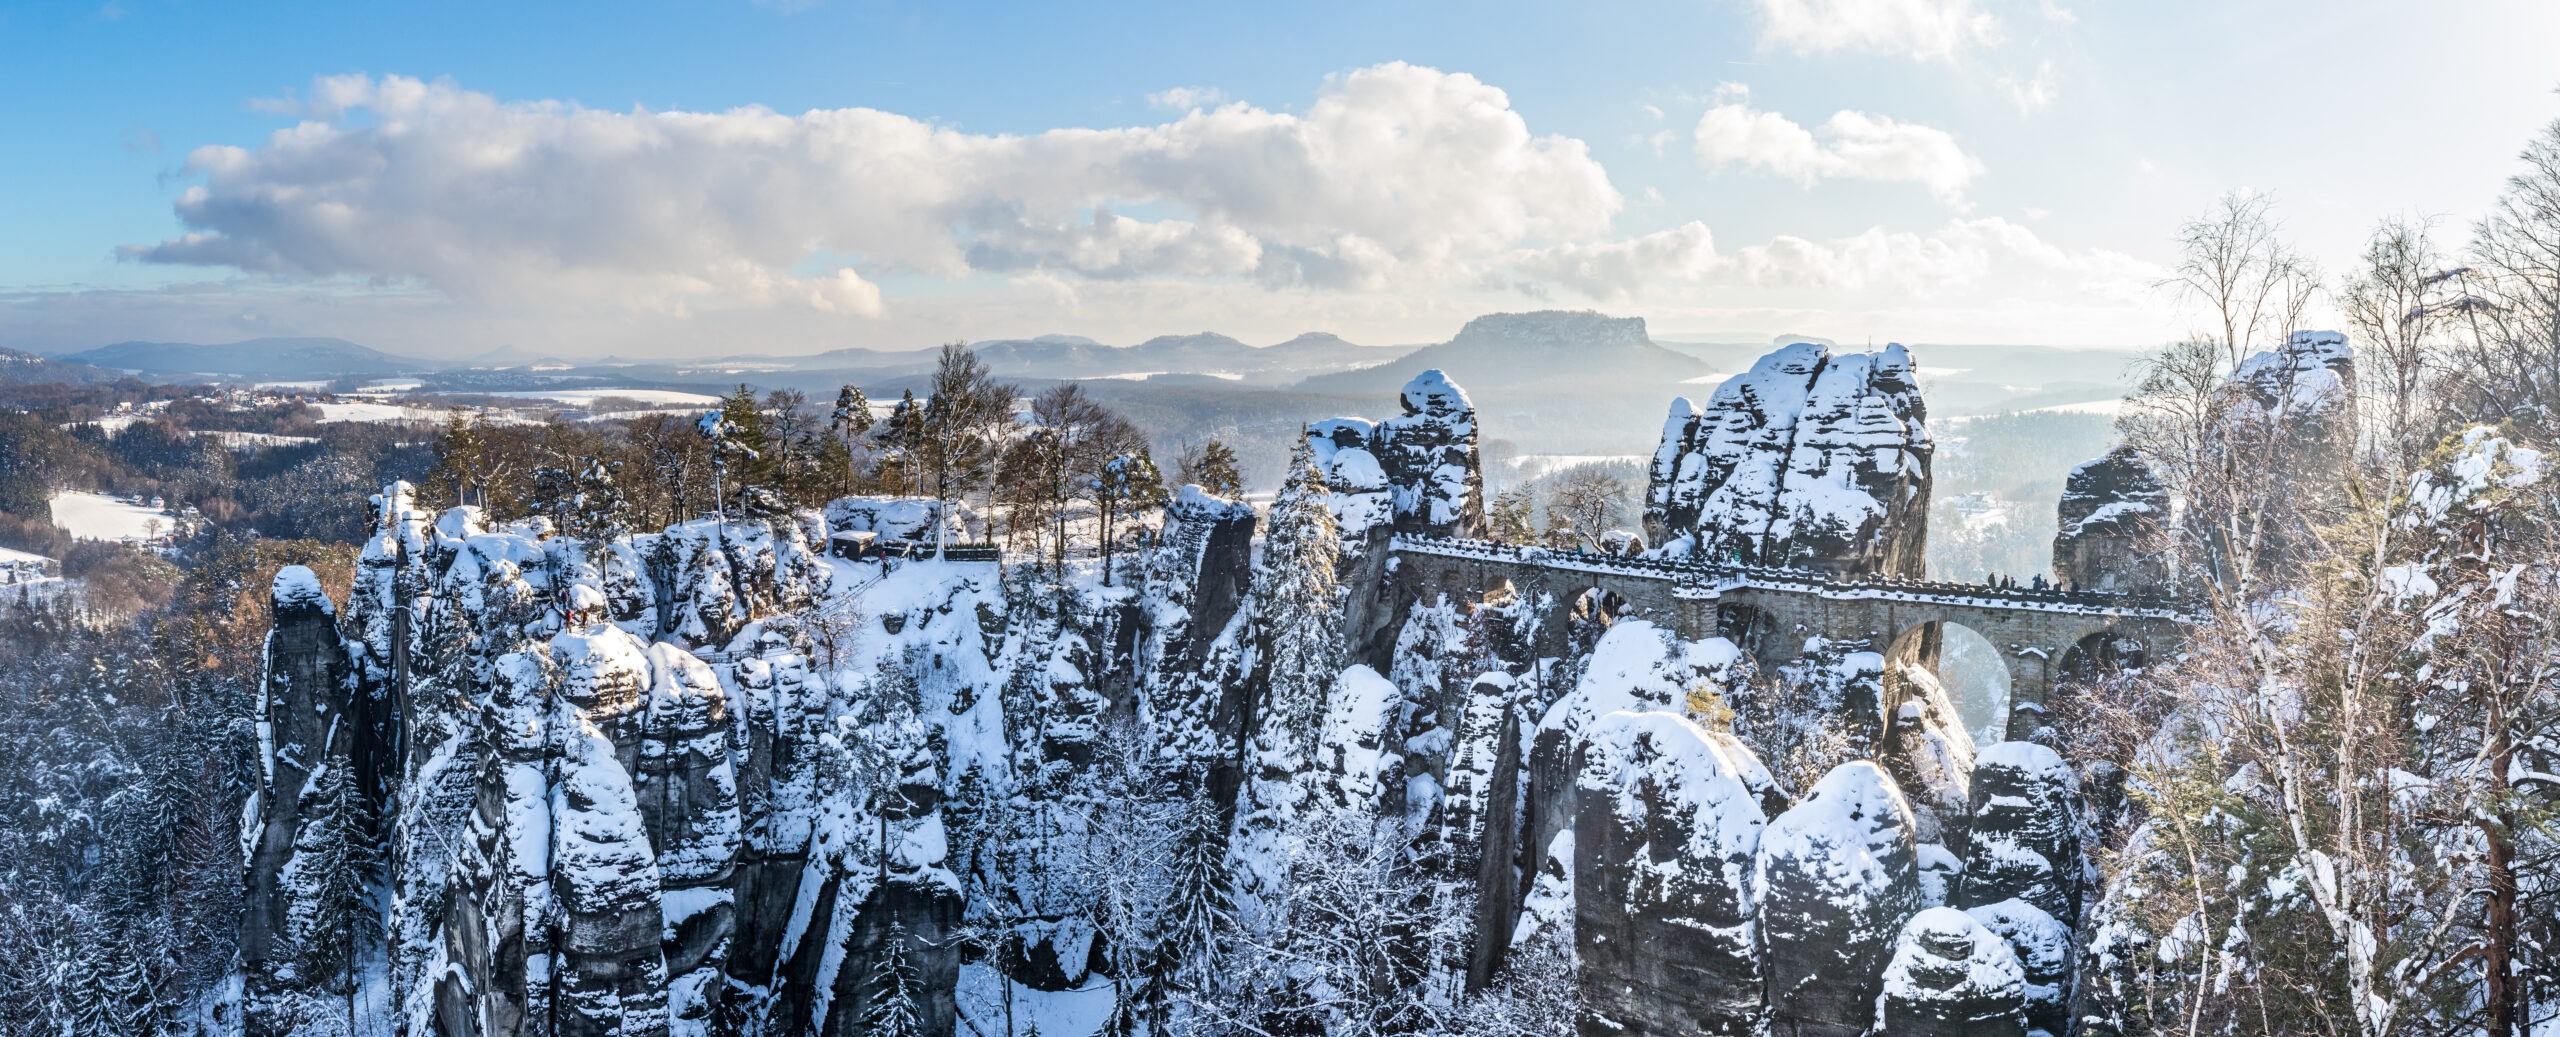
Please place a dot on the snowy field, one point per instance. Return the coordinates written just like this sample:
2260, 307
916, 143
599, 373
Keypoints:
331, 413
583, 397
111, 424
96, 516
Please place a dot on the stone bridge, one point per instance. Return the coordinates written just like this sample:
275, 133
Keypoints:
1770, 612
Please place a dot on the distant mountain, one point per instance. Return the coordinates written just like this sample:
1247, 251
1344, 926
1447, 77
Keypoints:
1206, 354
1548, 351
270, 358
19, 367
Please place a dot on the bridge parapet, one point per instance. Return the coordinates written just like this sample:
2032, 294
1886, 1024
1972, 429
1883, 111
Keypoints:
1771, 611
1721, 577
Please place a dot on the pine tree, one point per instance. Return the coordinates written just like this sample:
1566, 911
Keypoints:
901, 438
1127, 484
894, 984
599, 511
852, 417
1298, 595
754, 463
1510, 519
1217, 471
1201, 916
462, 455
1297, 608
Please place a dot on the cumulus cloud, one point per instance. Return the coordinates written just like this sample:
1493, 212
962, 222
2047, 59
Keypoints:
1850, 144
1919, 29
1394, 173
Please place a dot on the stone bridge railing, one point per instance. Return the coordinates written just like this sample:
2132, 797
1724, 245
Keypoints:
1771, 611
1721, 578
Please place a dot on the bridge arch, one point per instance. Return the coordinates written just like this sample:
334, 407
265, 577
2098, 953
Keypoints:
1976, 673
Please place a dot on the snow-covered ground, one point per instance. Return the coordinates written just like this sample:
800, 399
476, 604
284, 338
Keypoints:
96, 516
582, 397
253, 440
336, 412
1063, 1013
112, 424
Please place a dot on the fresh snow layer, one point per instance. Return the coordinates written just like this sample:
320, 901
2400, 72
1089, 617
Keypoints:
96, 516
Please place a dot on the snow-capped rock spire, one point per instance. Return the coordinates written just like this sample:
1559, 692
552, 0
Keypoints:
1808, 460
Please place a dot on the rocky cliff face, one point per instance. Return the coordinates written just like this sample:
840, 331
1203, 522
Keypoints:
2111, 517
1807, 460
706, 781
1419, 473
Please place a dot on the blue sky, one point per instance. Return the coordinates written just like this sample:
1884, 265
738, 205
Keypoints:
1919, 170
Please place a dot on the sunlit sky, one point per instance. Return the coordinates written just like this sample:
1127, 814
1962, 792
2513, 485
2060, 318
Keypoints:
662, 179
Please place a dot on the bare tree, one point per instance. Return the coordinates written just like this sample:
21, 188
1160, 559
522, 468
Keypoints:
2513, 305
1588, 501
2397, 308
2234, 263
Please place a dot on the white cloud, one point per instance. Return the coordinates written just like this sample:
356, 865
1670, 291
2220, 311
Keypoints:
1395, 174
1186, 98
1849, 144
1615, 270
1920, 29
1962, 255
2034, 94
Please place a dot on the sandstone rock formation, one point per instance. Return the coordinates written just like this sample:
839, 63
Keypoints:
1807, 460
1951, 977
1415, 474
1838, 875
1431, 462
2024, 839
2043, 947
2111, 518
306, 728
1664, 838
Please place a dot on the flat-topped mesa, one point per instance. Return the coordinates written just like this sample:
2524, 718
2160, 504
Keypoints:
1808, 460
2109, 525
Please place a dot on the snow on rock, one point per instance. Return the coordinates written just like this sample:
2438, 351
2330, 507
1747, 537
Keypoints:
2109, 526
1431, 462
1807, 460
306, 723
1951, 977
2043, 948
2024, 840
2311, 375
1192, 608
1665, 833
1929, 751
893, 518
1838, 875
1354, 767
